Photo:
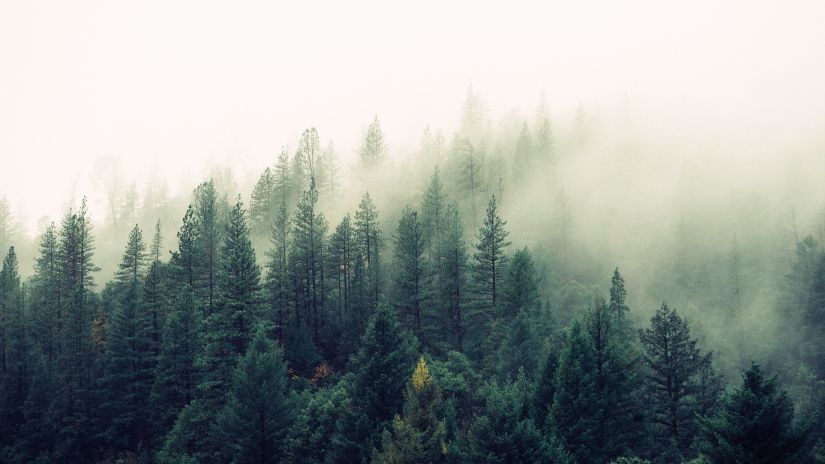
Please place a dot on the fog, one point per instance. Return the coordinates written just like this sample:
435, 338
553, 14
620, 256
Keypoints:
178, 87
683, 143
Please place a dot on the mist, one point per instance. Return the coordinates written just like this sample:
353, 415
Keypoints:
681, 146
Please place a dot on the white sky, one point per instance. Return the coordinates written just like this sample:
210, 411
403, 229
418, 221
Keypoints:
179, 84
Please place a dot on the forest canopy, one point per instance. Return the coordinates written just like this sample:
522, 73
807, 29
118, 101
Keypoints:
493, 295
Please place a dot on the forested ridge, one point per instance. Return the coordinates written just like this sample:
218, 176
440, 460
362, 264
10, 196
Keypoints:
392, 312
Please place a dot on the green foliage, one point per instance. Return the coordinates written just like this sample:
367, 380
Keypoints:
409, 280
673, 362
755, 424
501, 432
381, 368
417, 435
255, 422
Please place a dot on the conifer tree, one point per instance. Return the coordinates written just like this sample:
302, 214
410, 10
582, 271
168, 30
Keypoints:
208, 220
261, 203
277, 277
129, 360
227, 331
673, 361
491, 260
520, 285
410, 284
174, 383
186, 259
451, 276
432, 213
373, 149
343, 254
255, 422
309, 228
503, 433
418, 435
15, 369
755, 424
381, 368
524, 152
370, 242
46, 300
618, 294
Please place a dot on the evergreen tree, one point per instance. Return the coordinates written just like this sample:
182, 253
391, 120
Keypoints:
418, 435
15, 369
308, 232
381, 368
174, 383
228, 329
755, 424
260, 410
433, 212
186, 259
373, 149
450, 276
46, 301
370, 242
261, 203
208, 220
672, 361
502, 433
409, 296
520, 288
524, 152
491, 260
277, 277
618, 294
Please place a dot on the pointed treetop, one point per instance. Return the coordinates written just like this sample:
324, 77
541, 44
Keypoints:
421, 377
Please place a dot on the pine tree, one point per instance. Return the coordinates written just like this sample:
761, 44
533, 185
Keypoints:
185, 261
755, 424
502, 432
370, 242
261, 203
418, 435
373, 149
46, 300
343, 254
75, 367
673, 361
381, 368
451, 275
575, 413
260, 410
524, 152
129, 360
277, 277
16, 369
618, 294
491, 260
432, 213
174, 383
308, 231
545, 391
208, 220
520, 289
409, 296
227, 331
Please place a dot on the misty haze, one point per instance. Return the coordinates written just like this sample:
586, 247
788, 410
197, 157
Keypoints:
359, 232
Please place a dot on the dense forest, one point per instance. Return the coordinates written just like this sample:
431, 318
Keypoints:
458, 303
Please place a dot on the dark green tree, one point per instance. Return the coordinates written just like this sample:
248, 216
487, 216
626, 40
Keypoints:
418, 435
255, 422
381, 368
755, 424
409, 276
673, 362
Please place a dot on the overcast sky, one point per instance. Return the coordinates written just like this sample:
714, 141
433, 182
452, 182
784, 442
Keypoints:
176, 85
